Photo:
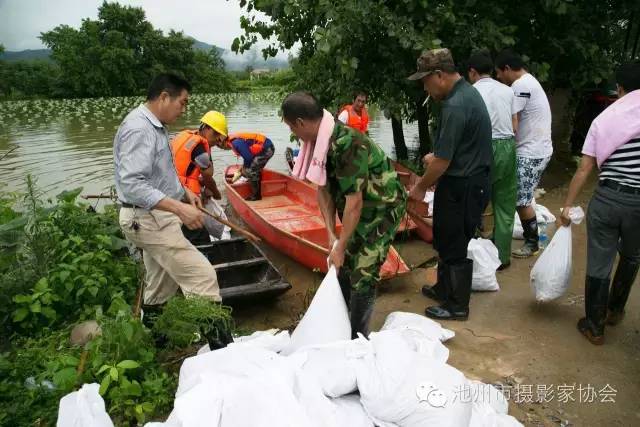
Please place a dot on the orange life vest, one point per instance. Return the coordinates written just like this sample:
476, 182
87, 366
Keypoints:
257, 138
355, 121
182, 146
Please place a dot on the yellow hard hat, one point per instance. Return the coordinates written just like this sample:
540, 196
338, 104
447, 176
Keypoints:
216, 121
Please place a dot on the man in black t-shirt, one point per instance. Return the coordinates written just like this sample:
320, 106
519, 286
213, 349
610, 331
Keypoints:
460, 164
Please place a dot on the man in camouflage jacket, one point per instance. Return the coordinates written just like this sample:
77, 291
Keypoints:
363, 188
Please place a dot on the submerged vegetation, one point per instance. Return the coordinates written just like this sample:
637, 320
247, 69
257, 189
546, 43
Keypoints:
63, 263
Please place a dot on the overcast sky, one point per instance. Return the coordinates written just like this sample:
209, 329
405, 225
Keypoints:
211, 21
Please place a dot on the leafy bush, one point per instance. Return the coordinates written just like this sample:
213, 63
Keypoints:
62, 263
186, 321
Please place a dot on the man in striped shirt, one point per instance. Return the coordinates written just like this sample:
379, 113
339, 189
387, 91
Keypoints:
613, 216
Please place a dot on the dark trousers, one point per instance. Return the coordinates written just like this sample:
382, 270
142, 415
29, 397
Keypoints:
613, 226
457, 211
197, 237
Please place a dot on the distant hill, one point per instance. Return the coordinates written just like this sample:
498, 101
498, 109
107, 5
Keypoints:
232, 61
26, 55
198, 45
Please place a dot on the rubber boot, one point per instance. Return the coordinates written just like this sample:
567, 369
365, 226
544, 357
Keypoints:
596, 294
438, 292
456, 307
255, 191
361, 306
626, 273
150, 314
345, 285
530, 233
218, 334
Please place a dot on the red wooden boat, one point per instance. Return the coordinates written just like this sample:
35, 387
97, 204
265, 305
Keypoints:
288, 218
418, 211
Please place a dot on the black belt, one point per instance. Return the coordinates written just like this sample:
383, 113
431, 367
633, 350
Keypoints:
129, 205
620, 187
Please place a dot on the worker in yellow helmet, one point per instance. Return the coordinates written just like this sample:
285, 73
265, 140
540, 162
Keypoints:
192, 158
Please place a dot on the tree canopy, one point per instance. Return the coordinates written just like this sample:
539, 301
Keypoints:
120, 52
373, 45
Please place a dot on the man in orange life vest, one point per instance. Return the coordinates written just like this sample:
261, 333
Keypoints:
255, 150
192, 158
355, 115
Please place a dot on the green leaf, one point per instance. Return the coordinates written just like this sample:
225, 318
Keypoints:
69, 360
35, 307
128, 364
102, 369
104, 385
148, 406
69, 195
49, 313
127, 330
134, 389
64, 275
65, 378
21, 299
113, 373
42, 285
20, 314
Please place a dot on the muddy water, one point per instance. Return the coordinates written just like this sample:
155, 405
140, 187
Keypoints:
68, 143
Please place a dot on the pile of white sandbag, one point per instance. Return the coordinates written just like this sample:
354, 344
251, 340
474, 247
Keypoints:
397, 377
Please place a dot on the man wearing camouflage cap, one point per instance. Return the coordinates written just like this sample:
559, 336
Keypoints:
460, 165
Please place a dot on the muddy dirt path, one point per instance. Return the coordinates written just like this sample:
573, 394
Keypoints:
554, 376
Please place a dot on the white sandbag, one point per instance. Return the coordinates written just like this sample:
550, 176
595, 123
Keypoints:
485, 262
216, 230
399, 387
551, 274
233, 360
239, 385
331, 365
351, 413
422, 325
272, 339
490, 406
543, 215
326, 319
83, 408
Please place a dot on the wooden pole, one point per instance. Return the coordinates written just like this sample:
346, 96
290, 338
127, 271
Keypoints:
233, 226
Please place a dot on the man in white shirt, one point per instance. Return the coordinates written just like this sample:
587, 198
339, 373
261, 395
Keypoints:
499, 101
533, 140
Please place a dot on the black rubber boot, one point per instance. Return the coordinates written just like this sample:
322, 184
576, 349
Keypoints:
255, 191
438, 292
456, 306
626, 273
345, 285
151, 313
361, 306
530, 233
596, 294
218, 334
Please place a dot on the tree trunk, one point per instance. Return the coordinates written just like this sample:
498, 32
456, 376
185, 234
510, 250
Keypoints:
398, 139
423, 128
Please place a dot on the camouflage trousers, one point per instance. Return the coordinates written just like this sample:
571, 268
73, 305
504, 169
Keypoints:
258, 163
367, 250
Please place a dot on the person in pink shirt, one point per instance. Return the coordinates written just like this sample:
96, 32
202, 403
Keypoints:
613, 217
